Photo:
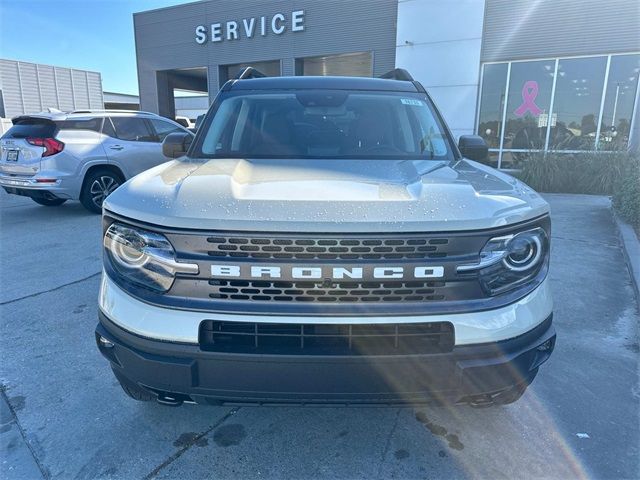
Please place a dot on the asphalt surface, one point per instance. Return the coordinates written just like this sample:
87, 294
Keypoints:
64, 416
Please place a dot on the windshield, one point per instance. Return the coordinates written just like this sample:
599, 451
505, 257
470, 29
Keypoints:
324, 124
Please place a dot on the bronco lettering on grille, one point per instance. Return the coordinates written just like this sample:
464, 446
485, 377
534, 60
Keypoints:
323, 272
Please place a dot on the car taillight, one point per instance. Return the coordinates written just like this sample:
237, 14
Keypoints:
51, 145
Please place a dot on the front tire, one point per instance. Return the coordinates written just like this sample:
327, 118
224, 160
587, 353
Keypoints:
98, 185
49, 202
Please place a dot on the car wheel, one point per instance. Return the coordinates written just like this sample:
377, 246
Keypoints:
133, 390
49, 202
98, 185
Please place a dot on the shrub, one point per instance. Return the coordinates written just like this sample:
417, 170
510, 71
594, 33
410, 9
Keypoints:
593, 173
626, 198
597, 173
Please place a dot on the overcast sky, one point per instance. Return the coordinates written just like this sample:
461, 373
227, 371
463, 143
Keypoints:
85, 34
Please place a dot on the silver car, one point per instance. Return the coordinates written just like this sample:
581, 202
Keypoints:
82, 155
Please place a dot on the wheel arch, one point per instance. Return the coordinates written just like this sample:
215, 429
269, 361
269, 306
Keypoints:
101, 166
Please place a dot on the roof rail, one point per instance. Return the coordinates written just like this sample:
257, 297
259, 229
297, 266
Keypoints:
398, 74
109, 110
249, 72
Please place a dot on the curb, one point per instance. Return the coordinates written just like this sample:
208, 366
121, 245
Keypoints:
631, 249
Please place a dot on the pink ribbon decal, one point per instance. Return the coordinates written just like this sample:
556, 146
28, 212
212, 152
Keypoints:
529, 94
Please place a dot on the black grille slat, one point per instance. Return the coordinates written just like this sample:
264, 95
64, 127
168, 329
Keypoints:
281, 291
234, 246
326, 339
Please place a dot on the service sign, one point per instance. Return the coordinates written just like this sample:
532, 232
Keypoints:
250, 27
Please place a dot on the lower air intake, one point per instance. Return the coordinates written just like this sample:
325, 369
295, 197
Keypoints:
326, 339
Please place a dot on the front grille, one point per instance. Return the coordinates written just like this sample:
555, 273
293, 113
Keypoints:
326, 248
326, 339
276, 273
346, 292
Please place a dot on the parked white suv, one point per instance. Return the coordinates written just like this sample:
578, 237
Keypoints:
324, 240
81, 155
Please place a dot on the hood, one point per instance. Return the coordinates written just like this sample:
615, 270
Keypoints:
326, 196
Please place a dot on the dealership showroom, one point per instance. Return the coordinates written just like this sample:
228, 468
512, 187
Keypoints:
195, 322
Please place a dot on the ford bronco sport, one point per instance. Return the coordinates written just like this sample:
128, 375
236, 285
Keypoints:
324, 240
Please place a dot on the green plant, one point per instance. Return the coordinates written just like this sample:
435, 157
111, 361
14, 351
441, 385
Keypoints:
603, 171
596, 173
541, 172
626, 198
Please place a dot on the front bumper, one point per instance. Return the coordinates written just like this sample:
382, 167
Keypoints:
184, 371
182, 326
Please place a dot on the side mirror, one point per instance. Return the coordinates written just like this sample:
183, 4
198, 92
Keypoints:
176, 144
473, 147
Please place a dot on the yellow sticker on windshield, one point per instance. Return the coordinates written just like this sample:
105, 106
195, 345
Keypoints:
412, 101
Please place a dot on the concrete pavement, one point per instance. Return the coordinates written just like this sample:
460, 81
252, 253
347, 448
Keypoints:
64, 415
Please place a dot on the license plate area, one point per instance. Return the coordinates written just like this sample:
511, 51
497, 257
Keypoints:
12, 155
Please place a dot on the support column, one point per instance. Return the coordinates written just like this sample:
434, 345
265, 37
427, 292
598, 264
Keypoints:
213, 82
164, 95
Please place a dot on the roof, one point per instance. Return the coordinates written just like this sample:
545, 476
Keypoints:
120, 97
25, 62
322, 83
58, 115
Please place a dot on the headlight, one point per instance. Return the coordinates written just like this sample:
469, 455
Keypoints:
524, 250
510, 261
143, 257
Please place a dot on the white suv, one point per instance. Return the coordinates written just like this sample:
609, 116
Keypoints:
82, 155
324, 240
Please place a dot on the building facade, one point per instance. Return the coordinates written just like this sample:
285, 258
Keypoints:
526, 75
29, 87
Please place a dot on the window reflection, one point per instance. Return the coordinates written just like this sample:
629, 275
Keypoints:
528, 104
492, 159
576, 104
618, 102
572, 121
492, 103
515, 159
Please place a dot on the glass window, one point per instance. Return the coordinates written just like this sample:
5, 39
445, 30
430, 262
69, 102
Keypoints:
132, 129
576, 104
270, 68
93, 124
163, 128
494, 80
492, 159
326, 124
31, 127
107, 128
515, 160
618, 102
345, 64
528, 103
